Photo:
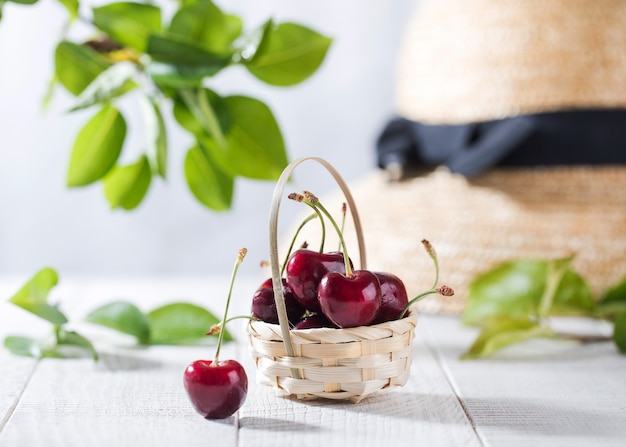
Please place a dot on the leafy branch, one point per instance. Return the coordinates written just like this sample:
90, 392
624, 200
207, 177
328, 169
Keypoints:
513, 301
163, 64
171, 324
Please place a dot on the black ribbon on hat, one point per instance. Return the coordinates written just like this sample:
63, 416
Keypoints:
577, 137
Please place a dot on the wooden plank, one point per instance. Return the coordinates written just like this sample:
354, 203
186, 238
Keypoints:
425, 412
542, 393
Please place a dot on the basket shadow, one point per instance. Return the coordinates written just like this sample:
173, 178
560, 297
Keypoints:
273, 424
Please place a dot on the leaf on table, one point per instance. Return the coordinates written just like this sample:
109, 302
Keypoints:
23, 346
33, 296
129, 23
516, 288
97, 147
113, 82
619, 332
156, 135
505, 332
288, 54
126, 186
203, 23
71, 344
210, 185
124, 317
76, 66
182, 323
613, 301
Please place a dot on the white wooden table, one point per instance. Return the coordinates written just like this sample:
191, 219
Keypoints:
539, 394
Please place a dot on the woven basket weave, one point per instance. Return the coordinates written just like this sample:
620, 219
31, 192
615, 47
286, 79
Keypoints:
346, 364
479, 60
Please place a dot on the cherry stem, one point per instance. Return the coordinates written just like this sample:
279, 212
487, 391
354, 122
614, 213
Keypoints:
295, 236
433, 255
240, 255
317, 204
419, 297
343, 220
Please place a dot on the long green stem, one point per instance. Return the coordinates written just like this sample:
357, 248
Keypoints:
240, 255
295, 236
346, 259
416, 299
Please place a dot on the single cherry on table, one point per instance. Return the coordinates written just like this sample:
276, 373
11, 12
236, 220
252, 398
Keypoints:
217, 389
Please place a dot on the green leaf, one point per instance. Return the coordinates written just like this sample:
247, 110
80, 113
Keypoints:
71, 339
124, 317
175, 50
254, 143
181, 323
613, 301
210, 185
126, 186
97, 147
72, 7
515, 289
24, 346
114, 81
202, 22
157, 135
506, 332
33, 296
24, 2
129, 23
76, 66
288, 55
619, 332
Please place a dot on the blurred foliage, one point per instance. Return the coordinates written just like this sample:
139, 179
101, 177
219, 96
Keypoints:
165, 63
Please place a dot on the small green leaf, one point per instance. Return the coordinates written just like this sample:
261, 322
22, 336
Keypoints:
175, 50
124, 317
71, 339
24, 346
254, 143
181, 323
210, 185
72, 7
619, 332
114, 81
97, 147
613, 302
126, 186
156, 135
204, 23
33, 296
129, 23
506, 332
24, 2
515, 289
76, 66
288, 55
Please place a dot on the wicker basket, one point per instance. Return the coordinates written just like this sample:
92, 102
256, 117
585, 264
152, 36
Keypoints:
346, 364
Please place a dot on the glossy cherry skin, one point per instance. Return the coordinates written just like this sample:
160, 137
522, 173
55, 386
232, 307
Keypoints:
350, 301
393, 297
314, 321
264, 304
216, 392
304, 271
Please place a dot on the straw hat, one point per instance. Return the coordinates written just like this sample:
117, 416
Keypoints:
477, 60
474, 224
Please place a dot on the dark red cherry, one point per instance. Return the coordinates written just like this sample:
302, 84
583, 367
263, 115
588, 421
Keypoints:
314, 321
394, 297
264, 304
216, 391
304, 271
350, 301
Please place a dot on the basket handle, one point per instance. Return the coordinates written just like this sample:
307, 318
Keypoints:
273, 233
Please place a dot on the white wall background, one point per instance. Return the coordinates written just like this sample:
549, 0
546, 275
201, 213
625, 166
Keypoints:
336, 114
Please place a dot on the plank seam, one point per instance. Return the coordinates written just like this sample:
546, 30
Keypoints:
4, 422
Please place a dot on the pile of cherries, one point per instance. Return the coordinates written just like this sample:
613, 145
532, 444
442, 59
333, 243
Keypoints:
321, 289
